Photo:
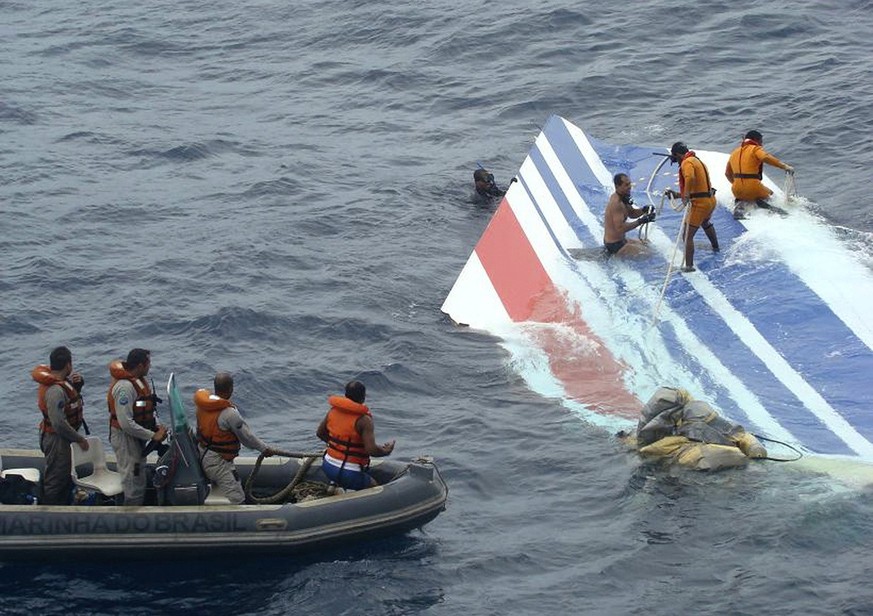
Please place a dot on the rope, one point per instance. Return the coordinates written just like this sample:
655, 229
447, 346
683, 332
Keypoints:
295, 454
676, 206
784, 444
643, 232
652, 179
282, 495
660, 207
672, 259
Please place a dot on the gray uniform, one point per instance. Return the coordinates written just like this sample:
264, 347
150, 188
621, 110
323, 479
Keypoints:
221, 472
128, 444
56, 482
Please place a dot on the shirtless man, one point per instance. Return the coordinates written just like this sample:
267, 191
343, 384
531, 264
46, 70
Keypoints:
619, 208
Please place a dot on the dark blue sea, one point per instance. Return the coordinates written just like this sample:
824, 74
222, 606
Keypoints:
283, 190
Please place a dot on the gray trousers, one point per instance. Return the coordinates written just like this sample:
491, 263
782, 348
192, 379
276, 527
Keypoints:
223, 475
131, 465
56, 481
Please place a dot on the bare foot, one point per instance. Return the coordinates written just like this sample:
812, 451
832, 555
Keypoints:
689, 268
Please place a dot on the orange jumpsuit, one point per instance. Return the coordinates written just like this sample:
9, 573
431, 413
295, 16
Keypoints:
745, 171
694, 176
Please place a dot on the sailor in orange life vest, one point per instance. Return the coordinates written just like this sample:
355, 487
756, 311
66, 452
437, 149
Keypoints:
697, 193
745, 170
132, 421
60, 401
221, 431
351, 439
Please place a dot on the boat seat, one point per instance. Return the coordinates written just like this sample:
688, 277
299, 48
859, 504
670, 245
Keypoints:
216, 496
101, 478
29, 474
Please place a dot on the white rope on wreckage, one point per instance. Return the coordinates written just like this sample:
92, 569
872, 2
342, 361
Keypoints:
670, 268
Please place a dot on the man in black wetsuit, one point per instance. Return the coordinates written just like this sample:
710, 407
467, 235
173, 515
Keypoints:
485, 185
619, 209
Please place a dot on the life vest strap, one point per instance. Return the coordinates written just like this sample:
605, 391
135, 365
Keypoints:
748, 176
231, 445
710, 191
349, 447
701, 195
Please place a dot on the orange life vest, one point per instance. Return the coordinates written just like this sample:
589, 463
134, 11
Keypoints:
73, 406
143, 405
701, 191
343, 441
223, 442
747, 167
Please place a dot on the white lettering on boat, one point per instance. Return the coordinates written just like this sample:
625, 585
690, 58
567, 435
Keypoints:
157, 523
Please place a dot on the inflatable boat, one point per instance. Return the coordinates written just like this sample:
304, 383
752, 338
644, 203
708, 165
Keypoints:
775, 328
412, 495
409, 495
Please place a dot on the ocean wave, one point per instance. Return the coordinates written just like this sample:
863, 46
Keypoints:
16, 324
19, 115
190, 152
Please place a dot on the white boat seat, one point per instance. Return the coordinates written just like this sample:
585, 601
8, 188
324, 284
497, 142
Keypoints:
29, 474
101, 479
216, 496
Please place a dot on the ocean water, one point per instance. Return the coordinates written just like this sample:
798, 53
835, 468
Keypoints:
283, 190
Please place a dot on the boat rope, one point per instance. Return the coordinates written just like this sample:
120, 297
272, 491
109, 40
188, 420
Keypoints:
282, 495
405, 469
672, 256
784, 444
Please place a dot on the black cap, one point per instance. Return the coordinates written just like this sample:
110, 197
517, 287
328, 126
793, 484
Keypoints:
678, 149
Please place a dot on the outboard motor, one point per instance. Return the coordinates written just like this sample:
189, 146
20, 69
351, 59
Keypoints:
178, 478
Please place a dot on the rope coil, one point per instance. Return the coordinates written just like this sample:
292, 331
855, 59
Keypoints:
282, 495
